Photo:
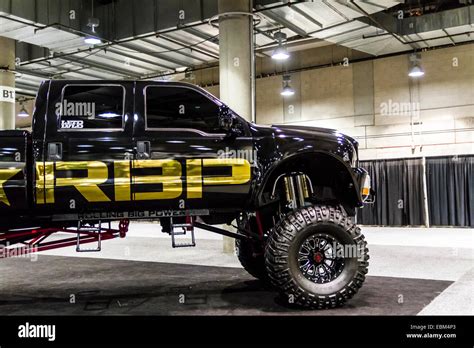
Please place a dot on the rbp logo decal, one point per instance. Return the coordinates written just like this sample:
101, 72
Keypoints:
72, 124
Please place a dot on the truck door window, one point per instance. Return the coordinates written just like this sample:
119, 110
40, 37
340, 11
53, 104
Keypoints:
91, 107
180, 107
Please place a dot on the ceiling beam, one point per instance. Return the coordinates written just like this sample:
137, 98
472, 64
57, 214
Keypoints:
84, 70
32, 73
179, 51
131, 56
305, 15
105, 67
280, 20
156, 55
194, 48
203, 36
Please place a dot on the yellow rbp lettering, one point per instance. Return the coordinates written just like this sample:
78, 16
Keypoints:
195, 180
44, 182
122, 188
171, 178
240, 171
5, 175
88, 186
97, 174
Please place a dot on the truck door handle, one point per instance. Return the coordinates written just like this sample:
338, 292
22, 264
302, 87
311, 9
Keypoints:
55, 151
143, 149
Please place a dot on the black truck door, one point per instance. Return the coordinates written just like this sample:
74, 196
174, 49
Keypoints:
88, 147
183, 159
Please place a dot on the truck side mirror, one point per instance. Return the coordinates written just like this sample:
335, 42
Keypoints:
226, 119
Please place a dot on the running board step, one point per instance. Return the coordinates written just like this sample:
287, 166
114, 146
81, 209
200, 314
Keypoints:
181, 230
92, 231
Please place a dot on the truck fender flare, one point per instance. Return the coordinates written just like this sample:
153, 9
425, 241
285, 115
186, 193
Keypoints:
294, 157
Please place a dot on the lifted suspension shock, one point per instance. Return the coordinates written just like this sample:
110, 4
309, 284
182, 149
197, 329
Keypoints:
298, 188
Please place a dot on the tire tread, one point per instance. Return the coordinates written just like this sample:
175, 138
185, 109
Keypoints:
276, 255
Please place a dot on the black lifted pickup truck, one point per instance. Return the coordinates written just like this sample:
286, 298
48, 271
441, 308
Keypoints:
103, 151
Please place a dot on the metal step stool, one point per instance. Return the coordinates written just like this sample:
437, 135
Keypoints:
93, 232
181, 230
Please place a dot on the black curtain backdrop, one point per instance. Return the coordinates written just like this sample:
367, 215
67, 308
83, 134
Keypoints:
450, 182
399, 193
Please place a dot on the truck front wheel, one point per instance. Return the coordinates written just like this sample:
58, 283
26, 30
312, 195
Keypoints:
317, 257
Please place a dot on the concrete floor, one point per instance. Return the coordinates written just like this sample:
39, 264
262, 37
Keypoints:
430, 270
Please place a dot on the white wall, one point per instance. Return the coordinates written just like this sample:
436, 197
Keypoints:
352, 98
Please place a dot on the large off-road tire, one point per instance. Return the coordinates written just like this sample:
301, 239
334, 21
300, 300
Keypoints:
317, 257
251, 258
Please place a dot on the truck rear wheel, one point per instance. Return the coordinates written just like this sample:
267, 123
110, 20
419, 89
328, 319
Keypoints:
317, 257
251, 258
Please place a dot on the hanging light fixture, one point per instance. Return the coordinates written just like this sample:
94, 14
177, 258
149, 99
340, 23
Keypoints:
23, 112
92, 40
416, 70
287, 90
92, 23
280, 53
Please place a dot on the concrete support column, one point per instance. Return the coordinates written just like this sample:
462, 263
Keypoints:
236, 78
7, 83
236, 56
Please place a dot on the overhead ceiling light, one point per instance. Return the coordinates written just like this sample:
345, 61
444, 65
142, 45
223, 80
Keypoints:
287, 90
92, 23
92, 40
416, 71
181, 69
280, 53
23, 112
